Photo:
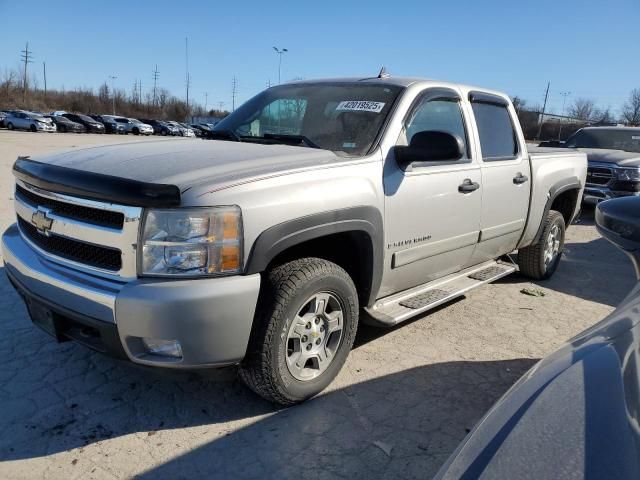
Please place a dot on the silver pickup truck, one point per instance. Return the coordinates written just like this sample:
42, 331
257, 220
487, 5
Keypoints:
316, 204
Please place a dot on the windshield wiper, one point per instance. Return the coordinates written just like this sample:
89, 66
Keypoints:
223, 135
284, 138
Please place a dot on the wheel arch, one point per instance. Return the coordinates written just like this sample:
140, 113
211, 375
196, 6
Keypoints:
350, 237
564, 197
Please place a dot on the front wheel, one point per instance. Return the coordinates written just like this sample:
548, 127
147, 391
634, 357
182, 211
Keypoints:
305, 327
540, 260
33, 128
10, 126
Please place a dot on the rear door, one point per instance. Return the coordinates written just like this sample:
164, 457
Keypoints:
506, 176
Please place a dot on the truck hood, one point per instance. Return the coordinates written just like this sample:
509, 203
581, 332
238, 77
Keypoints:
186, 163
618, 157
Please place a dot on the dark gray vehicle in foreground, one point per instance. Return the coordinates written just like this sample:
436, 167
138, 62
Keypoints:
576, 413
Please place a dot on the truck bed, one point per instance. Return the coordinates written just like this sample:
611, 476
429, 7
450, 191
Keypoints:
551, 169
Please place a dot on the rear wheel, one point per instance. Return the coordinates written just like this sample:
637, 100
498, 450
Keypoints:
540, 260
10, 126
305, 326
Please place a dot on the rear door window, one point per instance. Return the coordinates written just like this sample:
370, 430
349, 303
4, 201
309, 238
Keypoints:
497, 135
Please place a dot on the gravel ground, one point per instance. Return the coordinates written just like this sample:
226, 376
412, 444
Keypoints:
404, 400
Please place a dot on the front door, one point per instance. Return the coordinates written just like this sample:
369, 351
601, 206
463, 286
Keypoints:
431, 222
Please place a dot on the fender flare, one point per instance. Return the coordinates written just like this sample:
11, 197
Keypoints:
572, 183
277, 239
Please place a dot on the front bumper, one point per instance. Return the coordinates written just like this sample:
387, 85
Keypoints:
596, 194
210, 317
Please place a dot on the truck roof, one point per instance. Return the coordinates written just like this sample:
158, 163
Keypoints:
400, 82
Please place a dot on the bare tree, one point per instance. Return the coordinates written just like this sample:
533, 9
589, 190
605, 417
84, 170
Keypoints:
582, 108
518, 103
602, 116
631, 109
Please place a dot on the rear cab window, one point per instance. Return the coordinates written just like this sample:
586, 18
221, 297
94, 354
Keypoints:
498, 140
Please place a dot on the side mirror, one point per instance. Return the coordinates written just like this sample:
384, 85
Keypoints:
430, 146
618, 221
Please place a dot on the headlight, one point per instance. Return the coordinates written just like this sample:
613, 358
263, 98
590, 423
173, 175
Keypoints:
190, 242
628, 174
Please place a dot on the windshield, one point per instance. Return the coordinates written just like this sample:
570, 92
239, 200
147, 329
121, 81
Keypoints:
343, 117
86, 119
608, 138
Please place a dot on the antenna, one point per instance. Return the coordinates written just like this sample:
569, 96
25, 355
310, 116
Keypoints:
383, 73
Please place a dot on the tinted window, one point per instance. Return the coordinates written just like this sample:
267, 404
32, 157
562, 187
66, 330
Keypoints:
443, 115
608, 138
497, 137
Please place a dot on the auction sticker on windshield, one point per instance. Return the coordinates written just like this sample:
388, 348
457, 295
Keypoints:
360, 106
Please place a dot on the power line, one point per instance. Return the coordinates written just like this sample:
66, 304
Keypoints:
44, 72
544, 107
188, 77
156, 75
234, 91
27, 57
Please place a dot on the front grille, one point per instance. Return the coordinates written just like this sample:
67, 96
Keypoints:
94, 216
87, 253
599, 175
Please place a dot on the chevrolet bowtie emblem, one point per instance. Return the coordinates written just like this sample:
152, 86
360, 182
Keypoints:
42, 222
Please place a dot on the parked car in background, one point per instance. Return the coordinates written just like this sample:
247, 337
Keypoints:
261, 248
23, 120
184, 131
110, 125
134, 126
3, 115
161, 128
90, 125
63, 124
613, 154
58, 113
187, 131
576, 413
200, 130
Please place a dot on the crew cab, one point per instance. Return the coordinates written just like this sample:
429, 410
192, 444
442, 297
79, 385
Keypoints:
316, 204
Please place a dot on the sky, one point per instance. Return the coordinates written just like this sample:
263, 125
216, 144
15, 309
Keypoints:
589, 48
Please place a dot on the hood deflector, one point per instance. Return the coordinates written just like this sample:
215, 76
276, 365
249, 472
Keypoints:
95, 186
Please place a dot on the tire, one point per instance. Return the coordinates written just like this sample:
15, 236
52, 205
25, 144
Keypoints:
10, 126
534, 261
269, 368
33, 128
135, 131
62, 129
163, 133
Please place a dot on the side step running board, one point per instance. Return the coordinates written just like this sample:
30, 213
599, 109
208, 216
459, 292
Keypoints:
409, 303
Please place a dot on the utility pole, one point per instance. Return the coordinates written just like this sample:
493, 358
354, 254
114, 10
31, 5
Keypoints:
156, 74
140, 92
234, 90
186, 56
44, 72
113, 93
27, 58
280, 52
220, 105
206, 100
544, 108
564, 100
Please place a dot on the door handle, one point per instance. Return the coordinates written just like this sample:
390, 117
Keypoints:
468, 186
520, 178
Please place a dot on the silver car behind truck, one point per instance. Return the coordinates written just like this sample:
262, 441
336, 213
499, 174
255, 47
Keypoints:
315, 201
23, 120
